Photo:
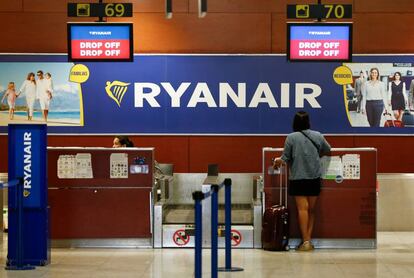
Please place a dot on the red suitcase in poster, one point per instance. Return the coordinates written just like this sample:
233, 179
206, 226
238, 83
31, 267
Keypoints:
275, 227
392, 123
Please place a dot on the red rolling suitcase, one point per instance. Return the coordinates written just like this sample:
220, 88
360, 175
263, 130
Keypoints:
392, 123
275, 224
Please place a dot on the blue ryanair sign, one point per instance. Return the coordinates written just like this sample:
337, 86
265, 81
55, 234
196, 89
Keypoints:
27, 160
204, 94
28, 241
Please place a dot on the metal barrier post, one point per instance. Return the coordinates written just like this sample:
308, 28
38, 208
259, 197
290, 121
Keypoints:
198, 196
214, 229
228, 223
19, 206
228, 266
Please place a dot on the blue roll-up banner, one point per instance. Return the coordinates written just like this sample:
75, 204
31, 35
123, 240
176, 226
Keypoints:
27, 160
28, 240
201, 94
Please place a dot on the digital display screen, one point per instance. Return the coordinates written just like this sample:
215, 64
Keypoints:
100, 42
319, 42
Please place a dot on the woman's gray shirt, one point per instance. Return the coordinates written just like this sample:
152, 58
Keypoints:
302, 156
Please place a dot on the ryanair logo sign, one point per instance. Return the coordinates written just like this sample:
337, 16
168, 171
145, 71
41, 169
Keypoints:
202, 93
116, 90
27, 161
224, 94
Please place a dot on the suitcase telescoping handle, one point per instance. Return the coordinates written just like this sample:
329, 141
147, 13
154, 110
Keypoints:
389, 116
283, 179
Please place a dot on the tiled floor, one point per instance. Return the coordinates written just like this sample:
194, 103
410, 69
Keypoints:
393, 258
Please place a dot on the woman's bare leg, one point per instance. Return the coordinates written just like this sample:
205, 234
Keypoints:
303, 216
311, 211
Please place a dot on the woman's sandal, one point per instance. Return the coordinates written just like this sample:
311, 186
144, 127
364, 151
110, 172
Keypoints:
305, 246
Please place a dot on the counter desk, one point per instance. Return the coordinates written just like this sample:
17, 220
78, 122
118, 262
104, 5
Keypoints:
100, 196
346, 211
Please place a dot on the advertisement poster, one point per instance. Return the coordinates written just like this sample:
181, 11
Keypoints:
30, 85
208, 94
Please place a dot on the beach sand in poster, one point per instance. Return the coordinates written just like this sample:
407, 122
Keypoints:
20, 117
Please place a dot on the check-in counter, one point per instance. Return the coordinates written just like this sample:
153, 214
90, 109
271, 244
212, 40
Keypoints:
346, 211
100, 196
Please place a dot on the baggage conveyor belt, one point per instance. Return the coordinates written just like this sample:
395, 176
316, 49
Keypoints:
184, 214
173, 213
174, 226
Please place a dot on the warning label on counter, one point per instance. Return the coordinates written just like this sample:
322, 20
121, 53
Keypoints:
236, 238
181, 238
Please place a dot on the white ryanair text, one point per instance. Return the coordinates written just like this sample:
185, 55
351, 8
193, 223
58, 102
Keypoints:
148, 93
27, 160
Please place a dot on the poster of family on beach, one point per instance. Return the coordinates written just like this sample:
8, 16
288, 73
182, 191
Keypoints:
39, 93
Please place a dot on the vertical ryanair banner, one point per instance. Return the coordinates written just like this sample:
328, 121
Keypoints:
28, 241
27, 160
208, 94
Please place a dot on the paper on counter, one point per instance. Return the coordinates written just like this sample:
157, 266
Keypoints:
331, 167
66, 167
119, 166
83, 166
352, 166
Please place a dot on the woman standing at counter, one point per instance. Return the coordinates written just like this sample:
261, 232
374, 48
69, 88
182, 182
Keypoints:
302, 152
374, 98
